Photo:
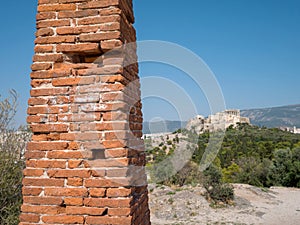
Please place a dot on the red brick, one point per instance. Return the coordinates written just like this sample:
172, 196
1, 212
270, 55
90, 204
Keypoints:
55, 40
107, 202
47, 128
106, 220
110, 44
72, 81
45, 15
71, 192
46, 146
50, 210
46, 163
119, 212
33, 218
75, 182
41, 66
118, 192
31, 191
97, 192
99, 20
100, 36
48, 91
77, 14
56, 7
43, 182
34, 154
74, 201
88, 47
43, 48
117, 182
63, 219
99, 4
48, 58
69, 173
73, 210
33, 200
33, 172
116, 153
64, 155
77, 30
72, 164
44, 32
53, 23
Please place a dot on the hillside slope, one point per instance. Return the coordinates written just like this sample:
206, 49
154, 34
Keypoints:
284, 116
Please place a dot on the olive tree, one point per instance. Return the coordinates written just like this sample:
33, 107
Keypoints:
12, 145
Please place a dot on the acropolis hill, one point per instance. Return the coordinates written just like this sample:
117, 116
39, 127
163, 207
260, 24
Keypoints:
217, 121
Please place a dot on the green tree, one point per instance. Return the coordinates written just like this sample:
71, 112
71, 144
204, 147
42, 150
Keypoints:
12, 145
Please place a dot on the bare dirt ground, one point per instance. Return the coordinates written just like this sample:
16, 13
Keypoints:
188, 206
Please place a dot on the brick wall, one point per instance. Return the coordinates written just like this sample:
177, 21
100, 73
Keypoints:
84, 164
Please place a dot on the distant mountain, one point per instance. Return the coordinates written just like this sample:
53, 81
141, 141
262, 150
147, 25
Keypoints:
284, 116
162, 126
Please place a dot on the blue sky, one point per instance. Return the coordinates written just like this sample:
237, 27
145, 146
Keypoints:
252, 47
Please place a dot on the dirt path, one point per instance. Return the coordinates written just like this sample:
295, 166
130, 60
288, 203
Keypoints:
187, 206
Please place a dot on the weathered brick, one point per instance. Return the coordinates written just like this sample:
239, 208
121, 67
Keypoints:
80, 47
44, 32
73, 201
41, 66
47, 128
46, 163
56, 7
118, 192
27, 217
99, 36
43, 182
43, 48
98, 4
46, 146
77, 30
55, 40
75, 210
77, 14
75, 181
97, 192
45, 15
71, 192
31, 191
33, 172
72, 81
100, 220
107, 202
69, 173
48, 58
50, 210
119, 211
64, 155
99, 20
63, 219
34, 200
112, 182
53, 23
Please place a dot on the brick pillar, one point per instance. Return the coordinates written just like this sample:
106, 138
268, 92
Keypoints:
85, 162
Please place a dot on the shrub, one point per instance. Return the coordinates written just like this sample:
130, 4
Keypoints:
217, 191
12, 144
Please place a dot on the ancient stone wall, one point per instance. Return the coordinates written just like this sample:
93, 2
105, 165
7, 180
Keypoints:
85, 162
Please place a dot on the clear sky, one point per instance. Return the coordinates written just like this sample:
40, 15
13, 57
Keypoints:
252, 47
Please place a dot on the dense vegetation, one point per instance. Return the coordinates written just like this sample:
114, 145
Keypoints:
249, 154
12, 145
